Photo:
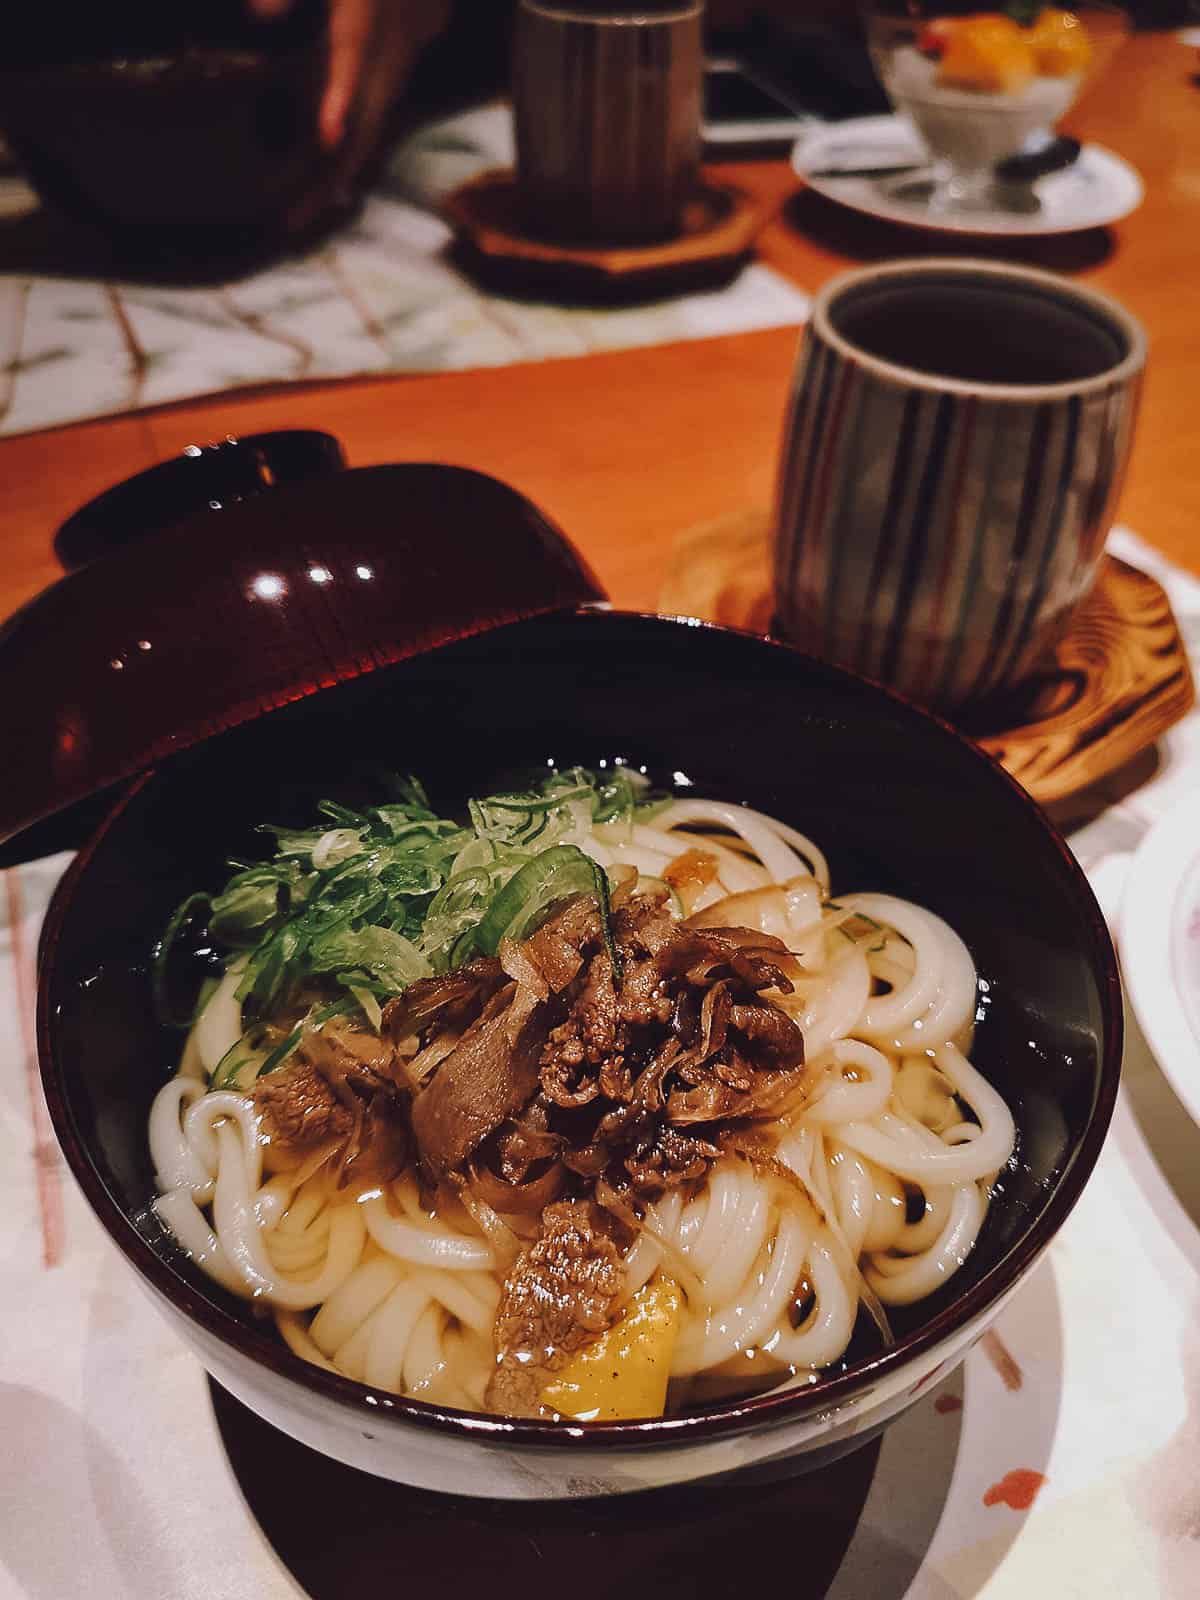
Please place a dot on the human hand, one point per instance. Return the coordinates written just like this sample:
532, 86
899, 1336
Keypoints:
372, 45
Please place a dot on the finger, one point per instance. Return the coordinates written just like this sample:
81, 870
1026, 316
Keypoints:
269, 8
349, 30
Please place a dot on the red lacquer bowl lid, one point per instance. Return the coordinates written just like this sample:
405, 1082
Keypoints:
230, 613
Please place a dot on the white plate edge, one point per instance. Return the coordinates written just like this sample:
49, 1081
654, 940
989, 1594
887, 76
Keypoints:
1125, 170
1147, 918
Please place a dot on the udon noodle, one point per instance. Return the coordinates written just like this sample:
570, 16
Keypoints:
863, 1186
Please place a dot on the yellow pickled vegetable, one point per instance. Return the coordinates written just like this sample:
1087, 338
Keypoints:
624, 1374
988, 53
1060, 43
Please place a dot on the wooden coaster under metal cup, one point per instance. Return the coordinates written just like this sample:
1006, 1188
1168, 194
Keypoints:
717, 237
1116, 682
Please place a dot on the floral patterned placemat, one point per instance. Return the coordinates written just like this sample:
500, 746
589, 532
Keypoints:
380, 296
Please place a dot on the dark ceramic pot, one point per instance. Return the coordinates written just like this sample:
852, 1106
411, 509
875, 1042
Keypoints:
454, 635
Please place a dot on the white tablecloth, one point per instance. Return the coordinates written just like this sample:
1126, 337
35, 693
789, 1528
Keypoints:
114, 1482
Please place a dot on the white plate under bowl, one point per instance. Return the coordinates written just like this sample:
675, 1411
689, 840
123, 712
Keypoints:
1160, 946
1095, 190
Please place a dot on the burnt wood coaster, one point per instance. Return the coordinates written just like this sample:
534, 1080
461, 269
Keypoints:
1113, 685
495, 245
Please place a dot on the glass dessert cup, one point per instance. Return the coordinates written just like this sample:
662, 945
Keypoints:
983, 86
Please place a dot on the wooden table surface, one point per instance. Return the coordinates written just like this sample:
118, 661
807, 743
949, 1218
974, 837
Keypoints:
626, 450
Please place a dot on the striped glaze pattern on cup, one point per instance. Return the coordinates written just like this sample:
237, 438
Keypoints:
937, 534
606, 104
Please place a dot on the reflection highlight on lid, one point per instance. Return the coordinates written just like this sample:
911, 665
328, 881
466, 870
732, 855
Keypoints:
269, 586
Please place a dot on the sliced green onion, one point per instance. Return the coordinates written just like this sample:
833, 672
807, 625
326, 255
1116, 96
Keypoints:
369, 1001
228, 1069
533, 804
158, 972
282, 1051
370, 901
600, 882
560, 871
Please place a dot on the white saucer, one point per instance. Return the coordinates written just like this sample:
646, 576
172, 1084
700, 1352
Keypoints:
1099, 188
1160, 946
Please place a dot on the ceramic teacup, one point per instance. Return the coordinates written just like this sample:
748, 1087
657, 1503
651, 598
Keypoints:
955, 445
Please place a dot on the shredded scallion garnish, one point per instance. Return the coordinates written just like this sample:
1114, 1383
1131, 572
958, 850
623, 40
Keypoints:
351, 912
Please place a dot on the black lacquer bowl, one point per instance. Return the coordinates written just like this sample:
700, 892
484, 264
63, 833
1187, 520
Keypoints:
180, 132
900, 802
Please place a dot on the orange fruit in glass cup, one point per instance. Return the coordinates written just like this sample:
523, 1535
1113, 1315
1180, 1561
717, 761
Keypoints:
1060, 43
989, 53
